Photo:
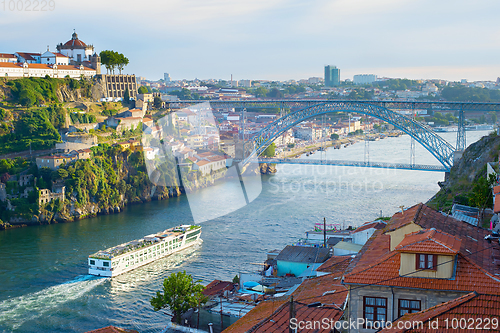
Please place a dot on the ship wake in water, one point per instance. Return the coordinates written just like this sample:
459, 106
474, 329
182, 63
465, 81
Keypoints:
16, 311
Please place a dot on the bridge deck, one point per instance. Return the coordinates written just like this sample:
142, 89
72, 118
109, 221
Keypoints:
403, 166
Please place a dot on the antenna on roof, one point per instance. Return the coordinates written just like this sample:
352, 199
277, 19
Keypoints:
402, 209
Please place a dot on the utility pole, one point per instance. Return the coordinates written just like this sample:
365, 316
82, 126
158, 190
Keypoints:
221, 322
292, 315
324, 232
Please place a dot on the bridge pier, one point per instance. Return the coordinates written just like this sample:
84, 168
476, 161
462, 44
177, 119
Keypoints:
457, 155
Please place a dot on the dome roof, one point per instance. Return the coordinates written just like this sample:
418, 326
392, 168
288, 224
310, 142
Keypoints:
74, 41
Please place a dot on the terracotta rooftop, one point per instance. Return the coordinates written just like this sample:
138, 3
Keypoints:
217, 287
335, 265
44, 66
273, 316
374, 224
429, 241
202, 163
10, 65
496, 189
496, 207
112, 329
28, 55
470, 306
476, 267
477, 249
262, 311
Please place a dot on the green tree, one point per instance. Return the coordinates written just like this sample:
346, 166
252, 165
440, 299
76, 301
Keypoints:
157, 102
5, 166
122, 61
275, 93
112, 59
126, 96
481, 192
260, 92
143, 90
180, 293
334, 136
270, 151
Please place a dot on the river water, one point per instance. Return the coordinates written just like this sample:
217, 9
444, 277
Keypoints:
44, 286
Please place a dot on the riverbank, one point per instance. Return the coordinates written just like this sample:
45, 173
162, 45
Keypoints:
344, 142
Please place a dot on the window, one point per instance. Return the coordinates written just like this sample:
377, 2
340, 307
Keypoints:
105, 263
375, 309
426, 261
92, 262
408, 306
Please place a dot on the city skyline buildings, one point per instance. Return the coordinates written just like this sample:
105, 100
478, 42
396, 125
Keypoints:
332, 76
275, 39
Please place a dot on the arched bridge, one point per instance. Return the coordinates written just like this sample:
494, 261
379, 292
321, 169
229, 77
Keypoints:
305, 109
436, 145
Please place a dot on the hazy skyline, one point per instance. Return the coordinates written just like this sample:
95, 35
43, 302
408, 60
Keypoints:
273, 39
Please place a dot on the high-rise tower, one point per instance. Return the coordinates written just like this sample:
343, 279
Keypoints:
332, 76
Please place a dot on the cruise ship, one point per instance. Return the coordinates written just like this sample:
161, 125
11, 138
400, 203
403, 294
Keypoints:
125, 257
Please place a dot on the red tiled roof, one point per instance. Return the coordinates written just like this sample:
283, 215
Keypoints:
112, 329
215, 158
273, 316
202, 163
496, 189
469, 277
470, 306
374, 224
477, 262
429, 241
69, 67
40, 66
335, 265
10, 65
217, 287
279, 322
7, 55
484, 254
496, 207
44, 66
28, 56
74, 42
262, 311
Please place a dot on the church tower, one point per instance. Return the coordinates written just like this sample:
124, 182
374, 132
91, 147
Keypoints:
95, 62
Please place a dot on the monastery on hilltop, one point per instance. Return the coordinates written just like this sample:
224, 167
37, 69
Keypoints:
73, 58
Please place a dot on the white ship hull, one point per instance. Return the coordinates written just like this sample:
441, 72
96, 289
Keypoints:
128, 256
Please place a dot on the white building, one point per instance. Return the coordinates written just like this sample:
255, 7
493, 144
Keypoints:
51, 58
364, 78
7, 57
76, 50
8, 69
30, 58
245, 83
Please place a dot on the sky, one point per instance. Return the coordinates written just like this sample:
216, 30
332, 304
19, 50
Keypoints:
271, 39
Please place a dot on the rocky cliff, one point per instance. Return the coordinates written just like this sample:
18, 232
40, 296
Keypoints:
466, 173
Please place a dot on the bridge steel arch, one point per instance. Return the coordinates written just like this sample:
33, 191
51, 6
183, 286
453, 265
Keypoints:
436, 145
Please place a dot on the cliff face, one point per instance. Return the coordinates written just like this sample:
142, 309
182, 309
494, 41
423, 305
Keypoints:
70, 211
466, 172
